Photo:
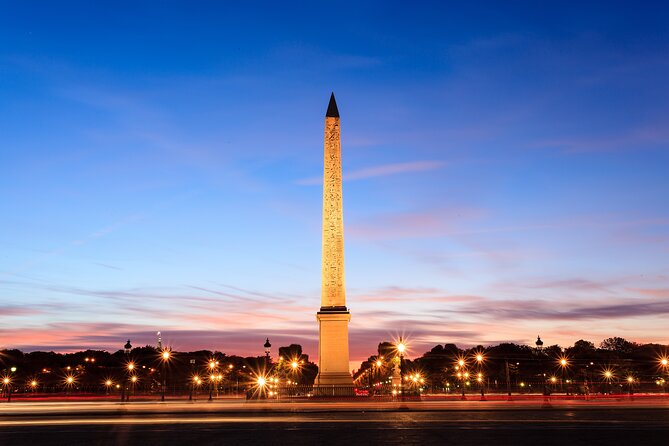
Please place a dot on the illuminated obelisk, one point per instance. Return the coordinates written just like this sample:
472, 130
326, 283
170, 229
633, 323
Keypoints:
333, 317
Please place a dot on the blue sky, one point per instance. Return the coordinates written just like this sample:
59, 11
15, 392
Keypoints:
505, 171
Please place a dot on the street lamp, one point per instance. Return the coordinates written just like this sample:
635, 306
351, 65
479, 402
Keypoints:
479, 361
69, 382
261, 384
127, 348
6, 381
664, 364
630, 384
108, 384
165, 357
564, 364
608, 376
130, 367
212, 367
462, 374
401, 348
133, 381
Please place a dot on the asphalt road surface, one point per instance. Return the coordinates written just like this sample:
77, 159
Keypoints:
450, 423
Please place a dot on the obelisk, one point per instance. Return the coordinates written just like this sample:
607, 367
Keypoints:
333, 317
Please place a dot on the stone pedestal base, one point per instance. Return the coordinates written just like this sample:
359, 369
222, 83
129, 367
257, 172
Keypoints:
333, 367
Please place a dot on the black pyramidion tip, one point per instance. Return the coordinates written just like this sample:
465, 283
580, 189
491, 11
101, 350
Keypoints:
332, 112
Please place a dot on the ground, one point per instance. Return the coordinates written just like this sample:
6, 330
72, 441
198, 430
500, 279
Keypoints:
534, 422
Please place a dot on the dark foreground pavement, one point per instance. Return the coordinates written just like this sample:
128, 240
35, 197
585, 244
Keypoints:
294, 425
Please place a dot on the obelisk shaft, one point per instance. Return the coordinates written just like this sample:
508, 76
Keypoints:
333, 294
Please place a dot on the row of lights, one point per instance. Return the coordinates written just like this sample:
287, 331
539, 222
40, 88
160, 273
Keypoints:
261, 381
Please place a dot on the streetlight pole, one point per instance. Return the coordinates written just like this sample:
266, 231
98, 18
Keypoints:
540, 344
508, 377
212, 367
127, 348
165, 357
479, 376
162, 387
192, 380
9, 384
401, 348
130, 367
6, 381
462, 374
564, 363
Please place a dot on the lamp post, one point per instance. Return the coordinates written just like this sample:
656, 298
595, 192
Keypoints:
608, 377
462, 374
130, 367
6, 382
564, 363
127, 348
9, 384
133, 381
212, 378
165, 356
540, 353
69, 382
479, 376
192, 383
630, 383
401, 348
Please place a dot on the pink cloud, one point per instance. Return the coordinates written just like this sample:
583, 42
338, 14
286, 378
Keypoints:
380, 171
413, 224
400, 294
662, 293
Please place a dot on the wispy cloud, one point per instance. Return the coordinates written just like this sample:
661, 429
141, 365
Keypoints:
402, 294
380, 171
643, 137
582, 309
413, 224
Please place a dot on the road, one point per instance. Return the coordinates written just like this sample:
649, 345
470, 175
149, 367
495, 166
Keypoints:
349, 423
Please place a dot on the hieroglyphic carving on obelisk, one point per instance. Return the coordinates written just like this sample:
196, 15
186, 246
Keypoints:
333, 293
333, 317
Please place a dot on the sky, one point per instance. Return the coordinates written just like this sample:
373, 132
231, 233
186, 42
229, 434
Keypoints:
506, 172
